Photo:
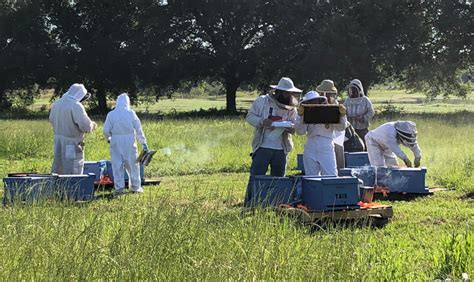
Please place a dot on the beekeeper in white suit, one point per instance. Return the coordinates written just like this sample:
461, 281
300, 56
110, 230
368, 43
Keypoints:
70, 123
122, 126
383, 144
319, 157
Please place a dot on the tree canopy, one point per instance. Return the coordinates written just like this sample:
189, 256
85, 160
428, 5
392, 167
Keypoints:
114, 46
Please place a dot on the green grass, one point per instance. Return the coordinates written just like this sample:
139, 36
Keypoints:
189, 228
204, 146
418, 103
404, 101
178, 103
191, 225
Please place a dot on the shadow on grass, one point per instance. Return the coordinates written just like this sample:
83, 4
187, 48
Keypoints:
401, 197
318, 225
211, 113
350, 224
468, 196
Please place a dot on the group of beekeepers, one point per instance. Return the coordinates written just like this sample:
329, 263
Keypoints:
270, 145
122, 126
325, 143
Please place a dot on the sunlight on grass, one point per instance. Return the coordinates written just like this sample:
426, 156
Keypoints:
191, 226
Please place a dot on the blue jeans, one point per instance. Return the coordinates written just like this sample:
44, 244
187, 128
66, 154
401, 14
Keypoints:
264, 157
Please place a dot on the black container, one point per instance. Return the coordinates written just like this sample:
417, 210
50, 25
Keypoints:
321, 114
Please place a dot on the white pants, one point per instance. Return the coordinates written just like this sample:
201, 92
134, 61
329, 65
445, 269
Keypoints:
319, 157
68, 155
380, 155
123, 152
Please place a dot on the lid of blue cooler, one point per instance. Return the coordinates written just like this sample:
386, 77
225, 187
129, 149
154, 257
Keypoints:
411, 169
335, 180
76, 175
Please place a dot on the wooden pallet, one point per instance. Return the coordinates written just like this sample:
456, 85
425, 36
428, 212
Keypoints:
382, 212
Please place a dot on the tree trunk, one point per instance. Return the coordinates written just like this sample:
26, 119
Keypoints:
102, 100
366, 85
3, 100
231, 86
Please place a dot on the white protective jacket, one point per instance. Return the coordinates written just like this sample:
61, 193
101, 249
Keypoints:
359, 107
122, 126
260, 110
319, 157
383, 146
70, 123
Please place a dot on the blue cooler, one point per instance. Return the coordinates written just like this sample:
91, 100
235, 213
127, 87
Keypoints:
110, 172
299, 163
265, 191
403, 180
28, 188
78, 187
328, 194
298, 183
98, 168
356, 159
398, 180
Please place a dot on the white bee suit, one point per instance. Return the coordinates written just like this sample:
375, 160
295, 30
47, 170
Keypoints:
319, 157
383, 146
70, 123
122, 126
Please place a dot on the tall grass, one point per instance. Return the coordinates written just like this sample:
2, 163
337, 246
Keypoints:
191, 225
190, 229
203, 146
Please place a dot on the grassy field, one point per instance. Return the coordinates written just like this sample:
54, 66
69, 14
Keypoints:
382, 99
191, 225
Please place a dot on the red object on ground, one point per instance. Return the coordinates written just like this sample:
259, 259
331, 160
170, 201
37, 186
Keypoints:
368, 205
105, 180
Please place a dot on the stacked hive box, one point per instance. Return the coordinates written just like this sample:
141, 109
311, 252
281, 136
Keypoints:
33, 188
316, 193
398, 180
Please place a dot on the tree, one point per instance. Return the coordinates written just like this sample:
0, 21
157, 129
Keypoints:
26, 52
342, 40
422, 43
163, 61
221, 39
94, 38
119, 45
448, 51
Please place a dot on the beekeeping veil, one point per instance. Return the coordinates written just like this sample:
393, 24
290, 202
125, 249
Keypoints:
355, 83
123, 102
406, 132
78, 92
